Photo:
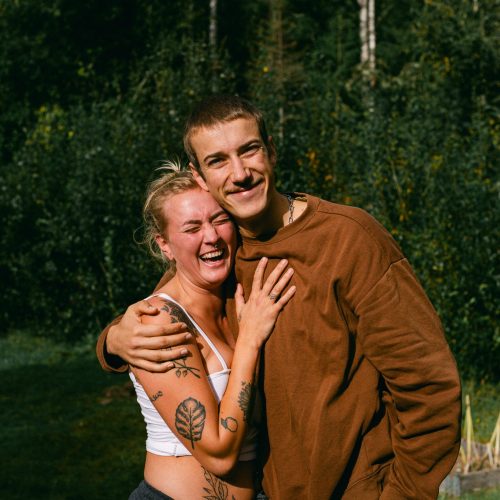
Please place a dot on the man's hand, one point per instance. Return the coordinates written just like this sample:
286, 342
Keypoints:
150, 347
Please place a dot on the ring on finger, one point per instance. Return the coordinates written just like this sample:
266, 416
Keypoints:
273, 296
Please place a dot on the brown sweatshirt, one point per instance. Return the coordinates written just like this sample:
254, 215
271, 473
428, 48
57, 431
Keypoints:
362, 394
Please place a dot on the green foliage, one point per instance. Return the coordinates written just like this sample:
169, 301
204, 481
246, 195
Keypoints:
80, 139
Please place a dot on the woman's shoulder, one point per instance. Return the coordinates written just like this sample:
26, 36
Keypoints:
170, 310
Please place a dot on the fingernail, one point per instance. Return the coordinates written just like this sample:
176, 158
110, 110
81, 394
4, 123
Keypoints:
170, 365
184, 351
188, 335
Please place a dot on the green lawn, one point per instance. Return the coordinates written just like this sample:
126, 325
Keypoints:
70, 431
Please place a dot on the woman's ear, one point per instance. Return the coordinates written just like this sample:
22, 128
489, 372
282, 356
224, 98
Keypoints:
164, 246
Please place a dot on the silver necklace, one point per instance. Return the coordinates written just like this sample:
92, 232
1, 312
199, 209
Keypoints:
290, 207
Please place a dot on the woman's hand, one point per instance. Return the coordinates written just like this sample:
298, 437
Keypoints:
257, 317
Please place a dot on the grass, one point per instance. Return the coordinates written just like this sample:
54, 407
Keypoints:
70, 431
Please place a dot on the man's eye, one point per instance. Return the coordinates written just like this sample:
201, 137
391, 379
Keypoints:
215, 162
252, 149
191, 229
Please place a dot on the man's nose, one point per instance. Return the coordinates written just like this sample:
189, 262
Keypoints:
239, 172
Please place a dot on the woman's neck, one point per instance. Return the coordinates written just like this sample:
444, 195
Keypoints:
199, 302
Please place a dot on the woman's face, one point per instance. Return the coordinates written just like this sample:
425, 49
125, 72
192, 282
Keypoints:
200, 237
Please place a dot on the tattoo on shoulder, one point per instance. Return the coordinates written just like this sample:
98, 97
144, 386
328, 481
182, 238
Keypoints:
217, 489
229, 423
190, 420
245, 399
154, 397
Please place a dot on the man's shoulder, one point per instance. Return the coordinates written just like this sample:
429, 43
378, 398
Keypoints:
348, 215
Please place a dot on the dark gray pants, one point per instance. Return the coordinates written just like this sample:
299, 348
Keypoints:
146, 492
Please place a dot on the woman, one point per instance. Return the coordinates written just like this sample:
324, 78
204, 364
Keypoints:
200, 442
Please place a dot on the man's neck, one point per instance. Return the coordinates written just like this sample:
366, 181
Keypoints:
273, 218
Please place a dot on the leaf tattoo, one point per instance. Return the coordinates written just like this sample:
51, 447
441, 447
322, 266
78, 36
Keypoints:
229, 423
177, 315
183, 369
218, 489
190, 420
245, 399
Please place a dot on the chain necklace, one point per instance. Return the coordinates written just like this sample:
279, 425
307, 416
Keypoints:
290, 207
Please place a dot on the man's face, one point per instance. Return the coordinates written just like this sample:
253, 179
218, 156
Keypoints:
236, 166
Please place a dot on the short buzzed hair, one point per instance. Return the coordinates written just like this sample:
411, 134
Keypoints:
218, 109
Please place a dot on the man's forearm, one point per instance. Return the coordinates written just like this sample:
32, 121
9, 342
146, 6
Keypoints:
109, 362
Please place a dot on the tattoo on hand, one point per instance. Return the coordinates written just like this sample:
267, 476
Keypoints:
218, 488
190, 419
245, 399
229, 423
183, 369
154, 397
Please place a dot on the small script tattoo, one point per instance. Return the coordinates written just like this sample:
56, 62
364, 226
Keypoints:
190, 420
229, 423
154, 397
183, 369
245, 399
218, 488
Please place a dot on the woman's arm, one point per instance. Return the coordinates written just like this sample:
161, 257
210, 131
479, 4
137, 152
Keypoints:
214, 433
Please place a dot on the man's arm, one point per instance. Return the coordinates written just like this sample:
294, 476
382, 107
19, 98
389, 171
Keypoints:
402, 337
150, 347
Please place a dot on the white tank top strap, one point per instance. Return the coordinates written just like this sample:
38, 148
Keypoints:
200, 331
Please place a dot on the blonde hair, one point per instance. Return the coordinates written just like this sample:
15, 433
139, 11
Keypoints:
172, 181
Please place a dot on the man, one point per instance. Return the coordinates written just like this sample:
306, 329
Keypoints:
361, 392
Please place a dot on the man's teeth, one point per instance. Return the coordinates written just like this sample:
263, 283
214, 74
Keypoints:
212, 255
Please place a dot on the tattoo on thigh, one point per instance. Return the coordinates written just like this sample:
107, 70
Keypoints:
154, 397
229, 423
190, 420
217, 488
245, 399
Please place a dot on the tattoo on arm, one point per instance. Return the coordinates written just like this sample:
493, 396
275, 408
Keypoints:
245, 399
183, 369
190, 420
177, 315
154, 397
217, 488
229, 423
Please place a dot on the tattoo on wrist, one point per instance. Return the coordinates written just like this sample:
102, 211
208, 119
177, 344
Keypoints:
229, 423
190, 420
154, 397
245, 399
183, 369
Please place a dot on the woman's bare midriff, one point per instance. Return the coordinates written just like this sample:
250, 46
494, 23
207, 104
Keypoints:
184, 478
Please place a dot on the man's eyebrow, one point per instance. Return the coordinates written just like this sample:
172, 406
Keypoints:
220, 154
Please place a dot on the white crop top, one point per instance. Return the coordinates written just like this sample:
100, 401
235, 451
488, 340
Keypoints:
160, 438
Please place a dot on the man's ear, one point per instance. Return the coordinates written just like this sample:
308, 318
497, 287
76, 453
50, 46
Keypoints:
198, 177
164, 246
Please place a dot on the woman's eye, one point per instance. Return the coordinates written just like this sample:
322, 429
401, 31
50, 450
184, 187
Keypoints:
191, 229
225, 220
